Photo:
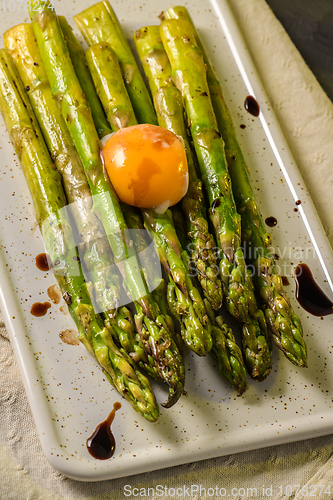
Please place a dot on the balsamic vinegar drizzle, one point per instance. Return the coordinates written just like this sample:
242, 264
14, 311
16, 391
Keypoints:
252, 106
39, 309
285, 281
271, 221
101, 444
43, 262
309, 294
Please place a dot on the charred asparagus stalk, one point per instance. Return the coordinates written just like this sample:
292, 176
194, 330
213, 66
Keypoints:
280, 316
189, 75
169, 109
44, 182
99, 24
75, 110
184, 299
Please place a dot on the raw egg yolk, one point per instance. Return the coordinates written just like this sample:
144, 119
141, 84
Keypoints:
147, 166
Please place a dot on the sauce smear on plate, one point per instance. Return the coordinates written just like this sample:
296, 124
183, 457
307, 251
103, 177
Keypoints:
39, 309
309, 294
252, 106
271, 221
43, 262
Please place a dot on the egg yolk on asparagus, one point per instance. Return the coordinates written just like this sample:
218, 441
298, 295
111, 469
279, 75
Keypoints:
147, 166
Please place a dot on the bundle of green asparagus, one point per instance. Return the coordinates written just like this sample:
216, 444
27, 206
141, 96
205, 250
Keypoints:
44, 182
185, 301
75, 99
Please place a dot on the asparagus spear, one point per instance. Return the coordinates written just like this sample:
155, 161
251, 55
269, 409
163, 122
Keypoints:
94, 247
188, 70
169, 110
150, 265
82, 72
76, 112
184, 298
129, 338
280, 316
175, 368
44, 183
141, 242
119, 112
99, 24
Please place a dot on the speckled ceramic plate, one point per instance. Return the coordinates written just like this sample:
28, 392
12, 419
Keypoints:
67, 391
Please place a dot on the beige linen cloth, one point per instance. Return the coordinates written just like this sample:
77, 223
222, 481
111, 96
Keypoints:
306, 117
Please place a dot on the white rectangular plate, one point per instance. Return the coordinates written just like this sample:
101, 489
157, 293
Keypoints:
67, 391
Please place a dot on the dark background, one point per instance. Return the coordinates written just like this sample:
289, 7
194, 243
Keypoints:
309, 23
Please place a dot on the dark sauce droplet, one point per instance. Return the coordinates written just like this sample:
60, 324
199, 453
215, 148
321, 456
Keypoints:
285, 281
39, 309
101, 444
298, 202
242, 126
309, 294
271, 221
43, 262
252, 106
216, 203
